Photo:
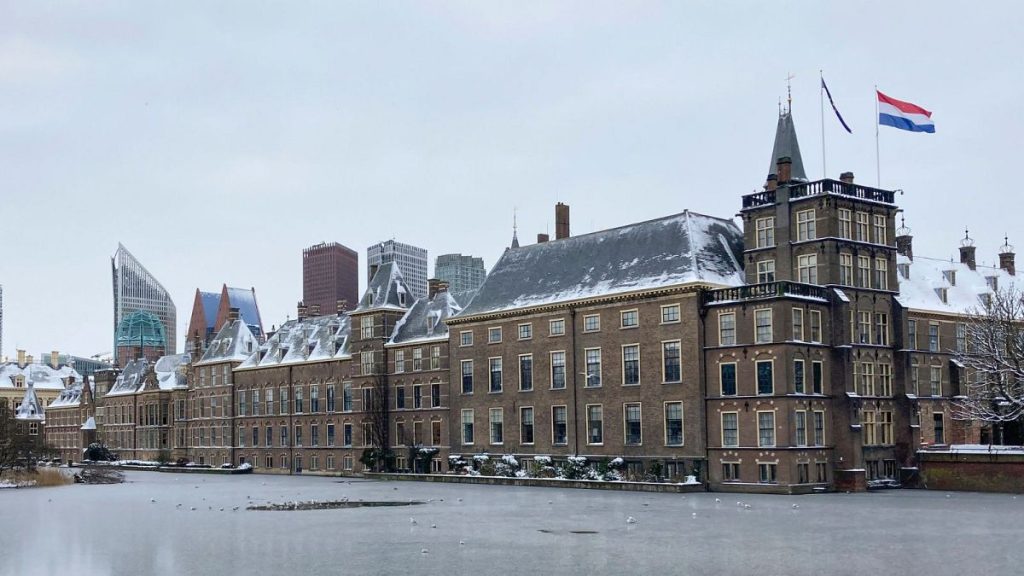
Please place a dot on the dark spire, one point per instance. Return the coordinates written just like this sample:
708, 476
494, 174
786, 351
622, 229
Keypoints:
787, 145
515, 237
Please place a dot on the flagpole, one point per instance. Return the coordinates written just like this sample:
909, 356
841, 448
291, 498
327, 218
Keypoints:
821, 99
878, 166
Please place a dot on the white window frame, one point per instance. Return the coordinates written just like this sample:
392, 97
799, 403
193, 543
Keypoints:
669, 308
632, 312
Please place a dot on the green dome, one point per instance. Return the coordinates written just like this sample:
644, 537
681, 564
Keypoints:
141, 327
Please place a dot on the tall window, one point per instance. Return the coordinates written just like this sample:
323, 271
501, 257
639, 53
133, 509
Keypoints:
346, 397
526, 372
798, 376
314, 398
595, 424
593, 357
631, 364
765, 271
559, 430
816, 377
346, 434
940, 428
805, 225
879, 225
366, 328
730, 430
673, 423
670, 361
435, 357
863, 271
881, 274
314, 435
400, 360
765, 379
766, 429
845, 221
435, 395
933, 337
417, 359
330, 398
815, 317
882, 328
801, 427
467, 426
885, 427
400, 397
819, 428
765, 232
961, 337
885, 379
867, 378
727, 328
467, 376
495, 372
526, 425
763, 326
558, 370
846, 269
862, 227
870, 433
807, 268
330, 434
632, 426
798, 324
417, 396
915, 377
936, 380
864, 327
727, 373
298, 399
497, 418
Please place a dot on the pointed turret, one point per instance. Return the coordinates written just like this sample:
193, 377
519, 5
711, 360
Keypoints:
30, 407
515, 235
786, 145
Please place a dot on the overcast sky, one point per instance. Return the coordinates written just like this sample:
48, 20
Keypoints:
217, 142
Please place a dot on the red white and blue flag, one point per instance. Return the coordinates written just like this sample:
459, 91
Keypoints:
903, 115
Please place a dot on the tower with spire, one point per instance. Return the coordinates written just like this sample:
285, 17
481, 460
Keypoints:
515, 231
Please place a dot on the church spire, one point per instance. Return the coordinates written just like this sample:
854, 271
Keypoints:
786, 145
515, 237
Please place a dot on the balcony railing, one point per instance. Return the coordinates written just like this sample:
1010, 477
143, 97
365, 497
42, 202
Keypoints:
819, 187
763, 291
766, 198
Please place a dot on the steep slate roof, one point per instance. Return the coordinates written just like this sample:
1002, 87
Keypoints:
425, 320
317, 338
130, 379
926, 275
42, 376
210, 302
245, 300
234, 342
387, 289
787, 145
679, 249
30, 408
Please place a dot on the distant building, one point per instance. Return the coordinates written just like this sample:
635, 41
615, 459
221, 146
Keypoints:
136, 289
463, 273
211, 310
84, 366
330, 274
140, 335
410, 259
47, 381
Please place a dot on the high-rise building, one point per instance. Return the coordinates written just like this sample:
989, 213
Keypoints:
330, 273
412, 261
136, 289
463, 273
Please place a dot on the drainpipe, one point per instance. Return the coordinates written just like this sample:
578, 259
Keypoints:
575, 402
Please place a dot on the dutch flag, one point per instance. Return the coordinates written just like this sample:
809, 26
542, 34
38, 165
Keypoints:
903, 115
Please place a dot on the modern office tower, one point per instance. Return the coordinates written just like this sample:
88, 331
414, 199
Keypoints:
330, 274
136, 289
412, 261
463, 273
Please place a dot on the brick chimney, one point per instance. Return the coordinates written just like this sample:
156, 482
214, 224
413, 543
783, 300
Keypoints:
561, 221
432, 284
21, 358
784, 168
302, 310
54, 359
846, 177
967, 251
1006, 259
342, 306
314, 310
232, 314
542, 238
771, 183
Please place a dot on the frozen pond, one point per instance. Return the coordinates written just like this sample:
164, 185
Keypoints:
86, 530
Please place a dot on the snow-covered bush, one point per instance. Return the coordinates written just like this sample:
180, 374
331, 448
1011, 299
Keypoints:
611, 471
456, 464
576, 468
483, 464
245, 466
508, 466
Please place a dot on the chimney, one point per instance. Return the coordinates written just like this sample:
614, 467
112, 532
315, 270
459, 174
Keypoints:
302, 311
561, 221
232, 314
342, 306
29, 359
846, 177
542, 238
314, 310
904, 241
442, 286
54, 359
967, 251
432, 284
784, 168
772, 183
21, 358
1006, 257
197, 347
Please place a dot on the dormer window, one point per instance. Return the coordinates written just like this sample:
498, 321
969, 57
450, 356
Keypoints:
993, 282
19, 381
986, 299
904, 270
950, 276
401, 298
942, 294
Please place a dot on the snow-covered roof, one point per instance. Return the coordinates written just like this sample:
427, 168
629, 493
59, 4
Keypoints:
71, 396
42, 376
130, 379
387, 289
90, 424
172, 371
674, 250
235, 342
925, 279
306, 340
30, 408
245, 300
425, 320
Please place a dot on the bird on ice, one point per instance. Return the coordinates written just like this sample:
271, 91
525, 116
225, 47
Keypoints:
413, 521
424, 551
433, 525
630, 520
462, 542
718, 500
796, 505
694, 514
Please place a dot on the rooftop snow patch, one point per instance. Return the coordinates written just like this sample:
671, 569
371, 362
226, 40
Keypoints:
671, 251
922, 281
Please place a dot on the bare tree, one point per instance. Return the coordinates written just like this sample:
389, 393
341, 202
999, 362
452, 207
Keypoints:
992, 390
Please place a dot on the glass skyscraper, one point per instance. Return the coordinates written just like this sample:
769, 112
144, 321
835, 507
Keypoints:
136, 289
412, 261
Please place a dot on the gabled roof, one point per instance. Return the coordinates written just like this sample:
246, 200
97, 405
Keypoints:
425, 320
30, 408
130, 379
71, 396
306, 340
41, 376
387, 289
786, 145
234, 343
245, 300
926, 277
210, 302
674, 250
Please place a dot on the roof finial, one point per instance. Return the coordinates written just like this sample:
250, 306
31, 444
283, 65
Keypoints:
515, 229
967, 241
789, 93
903, 230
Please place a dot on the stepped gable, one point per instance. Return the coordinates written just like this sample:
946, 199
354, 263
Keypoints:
686, 248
